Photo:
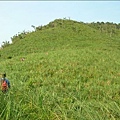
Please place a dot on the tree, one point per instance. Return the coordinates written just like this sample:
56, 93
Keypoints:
5, 44
33, 27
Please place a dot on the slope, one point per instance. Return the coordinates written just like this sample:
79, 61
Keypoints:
70, 71
59, 34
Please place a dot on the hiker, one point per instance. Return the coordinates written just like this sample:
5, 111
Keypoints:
5, 84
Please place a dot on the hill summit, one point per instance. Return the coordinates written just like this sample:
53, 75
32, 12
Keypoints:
59, 34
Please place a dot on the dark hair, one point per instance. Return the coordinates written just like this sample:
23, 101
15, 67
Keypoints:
4, 75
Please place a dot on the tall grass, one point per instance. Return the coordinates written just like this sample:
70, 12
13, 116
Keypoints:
67, 84
66, 75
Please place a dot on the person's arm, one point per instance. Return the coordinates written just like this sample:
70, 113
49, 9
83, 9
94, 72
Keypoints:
8, 83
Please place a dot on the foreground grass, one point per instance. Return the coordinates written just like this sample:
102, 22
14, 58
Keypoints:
79, 84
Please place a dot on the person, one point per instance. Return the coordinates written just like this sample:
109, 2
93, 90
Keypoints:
5, 83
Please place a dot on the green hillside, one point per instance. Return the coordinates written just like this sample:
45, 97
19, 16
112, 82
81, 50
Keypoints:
70, 71
59, 34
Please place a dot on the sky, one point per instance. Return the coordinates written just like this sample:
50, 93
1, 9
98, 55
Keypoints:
18, 16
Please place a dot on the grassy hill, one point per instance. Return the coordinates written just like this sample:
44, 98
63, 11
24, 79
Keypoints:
59, 34
70, 71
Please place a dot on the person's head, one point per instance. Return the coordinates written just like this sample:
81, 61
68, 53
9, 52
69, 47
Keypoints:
4, 75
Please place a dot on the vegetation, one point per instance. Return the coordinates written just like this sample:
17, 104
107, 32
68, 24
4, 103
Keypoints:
66, 70
5, 44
